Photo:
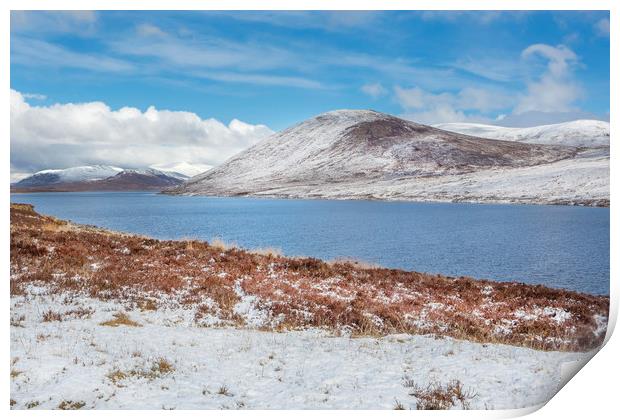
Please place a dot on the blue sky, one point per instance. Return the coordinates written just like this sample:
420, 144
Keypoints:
190, 89
277, 68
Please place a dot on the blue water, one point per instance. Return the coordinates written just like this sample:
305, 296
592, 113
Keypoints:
559, 246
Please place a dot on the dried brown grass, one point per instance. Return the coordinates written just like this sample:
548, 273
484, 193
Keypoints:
159, 368
436, 396
120, 318
299, 292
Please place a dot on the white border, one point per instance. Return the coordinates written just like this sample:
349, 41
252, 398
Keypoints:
592, 393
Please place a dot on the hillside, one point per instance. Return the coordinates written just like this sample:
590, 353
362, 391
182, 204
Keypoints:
581, 133
352, 154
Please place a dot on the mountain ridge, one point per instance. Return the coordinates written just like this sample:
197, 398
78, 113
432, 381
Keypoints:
578, 133
98, 178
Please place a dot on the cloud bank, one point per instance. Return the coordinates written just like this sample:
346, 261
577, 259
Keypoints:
468, 104
64, 135
549, 95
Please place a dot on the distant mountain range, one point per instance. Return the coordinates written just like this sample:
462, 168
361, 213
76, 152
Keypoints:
581, 133
355, 154
99, 178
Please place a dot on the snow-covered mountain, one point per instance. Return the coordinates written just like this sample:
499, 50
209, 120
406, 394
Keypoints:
156, 172
99, 177
581, 133
74, 174
366, 154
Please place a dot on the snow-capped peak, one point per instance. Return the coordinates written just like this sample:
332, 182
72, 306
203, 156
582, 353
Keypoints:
184, 168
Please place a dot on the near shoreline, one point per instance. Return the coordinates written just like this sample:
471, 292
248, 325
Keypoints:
233, 287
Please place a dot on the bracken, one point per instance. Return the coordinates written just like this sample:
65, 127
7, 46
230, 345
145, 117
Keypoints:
294, 293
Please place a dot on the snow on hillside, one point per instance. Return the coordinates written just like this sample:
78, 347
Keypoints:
165, 361
582, 133
350, 154
185, 168
79, 173
353, 144
580, 181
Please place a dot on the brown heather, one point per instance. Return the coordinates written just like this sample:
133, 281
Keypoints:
297, 292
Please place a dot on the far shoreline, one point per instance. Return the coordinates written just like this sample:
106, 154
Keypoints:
594, 203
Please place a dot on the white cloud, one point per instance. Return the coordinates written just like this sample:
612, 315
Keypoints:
259, 79
555, 90
549, 97
147, 29
35, 96
483, 100
213, 53
498, 69
64, 135
336, 21
217, 59
74, 21
35, 53
468, 104
374, 89
183, 168
559, 58
601, 27
480, 17
438, 115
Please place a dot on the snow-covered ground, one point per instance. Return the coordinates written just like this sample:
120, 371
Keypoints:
168, 362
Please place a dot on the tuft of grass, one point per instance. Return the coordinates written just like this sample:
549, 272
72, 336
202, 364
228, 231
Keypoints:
223, 390
398, 405
32, 404
116, 376
221, 245
442, 397
120, 318
147, 305
356, 263
15, 373
266, 252
71, 405
51, 226
18, 321
50, 316
159, 368
78, 313
162, 367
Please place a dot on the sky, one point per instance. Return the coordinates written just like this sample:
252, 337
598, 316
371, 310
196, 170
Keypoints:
140, 88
